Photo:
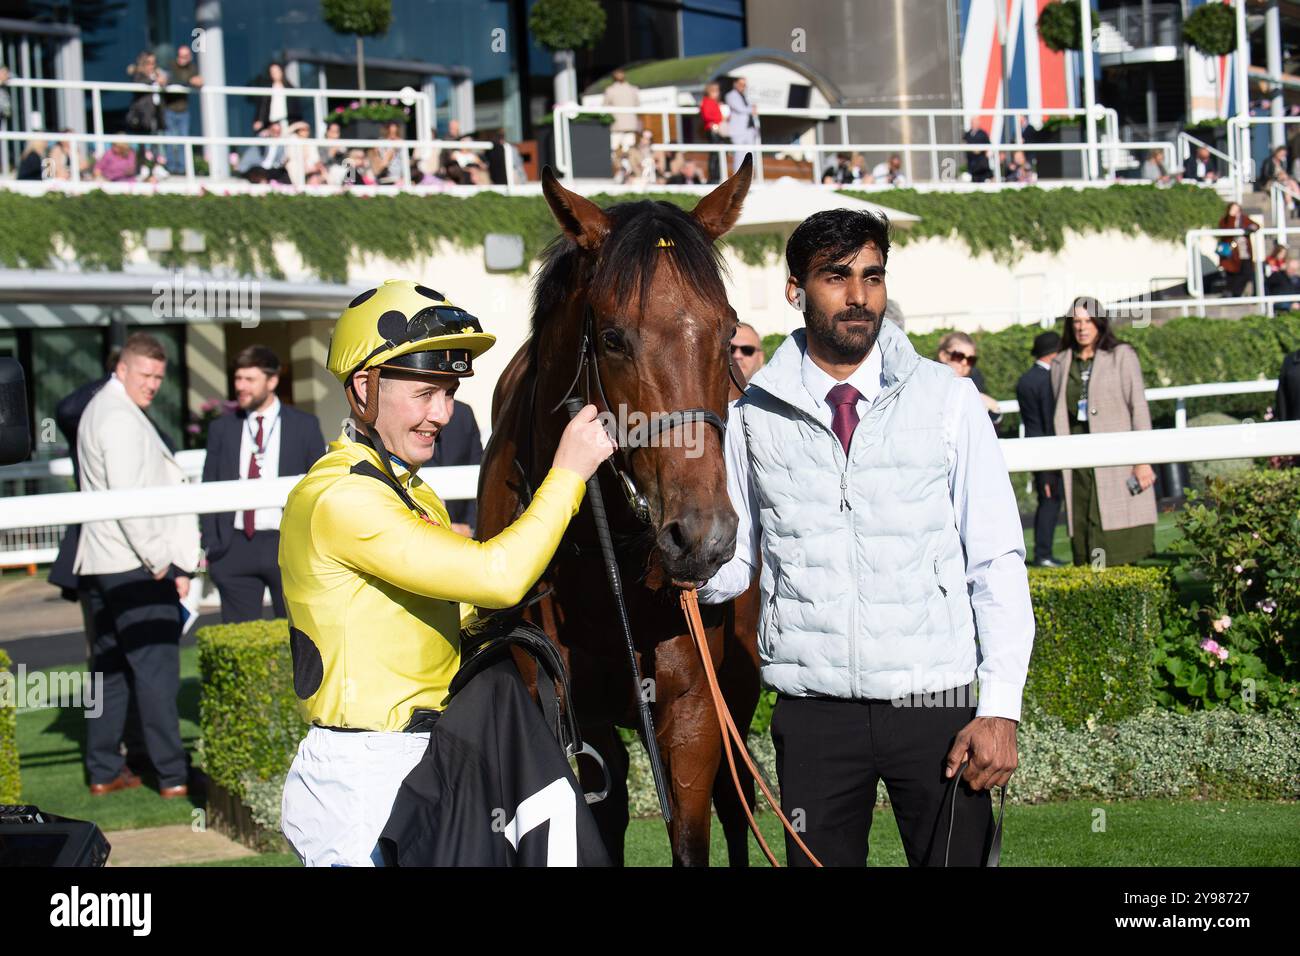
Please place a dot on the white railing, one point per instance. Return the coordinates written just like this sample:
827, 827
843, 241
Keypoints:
1179, 394
1186, 141
1021, 454
1242, 162
1110, 147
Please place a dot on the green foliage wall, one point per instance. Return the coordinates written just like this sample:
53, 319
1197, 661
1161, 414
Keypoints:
10, 782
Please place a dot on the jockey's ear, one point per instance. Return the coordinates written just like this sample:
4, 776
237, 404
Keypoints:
582, 220
718, 211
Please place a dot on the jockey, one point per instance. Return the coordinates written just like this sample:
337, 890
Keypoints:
375, 581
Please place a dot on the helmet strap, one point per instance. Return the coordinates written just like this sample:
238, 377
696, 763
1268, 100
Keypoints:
367, 416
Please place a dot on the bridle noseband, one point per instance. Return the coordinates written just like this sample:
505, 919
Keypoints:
587, 365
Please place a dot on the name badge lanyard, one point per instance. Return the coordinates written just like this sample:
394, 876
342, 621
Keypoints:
260, 450
1085, 373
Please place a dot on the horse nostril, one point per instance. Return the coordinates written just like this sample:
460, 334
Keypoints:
675, 540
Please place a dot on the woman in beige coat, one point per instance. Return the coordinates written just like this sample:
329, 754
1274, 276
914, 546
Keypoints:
1097, 382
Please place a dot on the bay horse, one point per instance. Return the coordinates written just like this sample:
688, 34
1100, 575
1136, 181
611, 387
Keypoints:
644, 280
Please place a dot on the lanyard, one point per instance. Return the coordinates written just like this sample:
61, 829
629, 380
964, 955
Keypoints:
259, 450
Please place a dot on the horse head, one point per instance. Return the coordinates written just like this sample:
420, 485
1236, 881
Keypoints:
645, 279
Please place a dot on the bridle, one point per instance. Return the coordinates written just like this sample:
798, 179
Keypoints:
589, 370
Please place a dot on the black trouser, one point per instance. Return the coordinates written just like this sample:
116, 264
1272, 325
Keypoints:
244, 572
137, 649
1049, 510
830, 754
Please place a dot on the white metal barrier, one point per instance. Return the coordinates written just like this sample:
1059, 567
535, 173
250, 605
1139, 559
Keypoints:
1179, 394
1110, 148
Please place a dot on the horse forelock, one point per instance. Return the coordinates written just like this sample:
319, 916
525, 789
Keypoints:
625, 267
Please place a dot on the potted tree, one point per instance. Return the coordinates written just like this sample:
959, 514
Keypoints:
563, 26
362, 18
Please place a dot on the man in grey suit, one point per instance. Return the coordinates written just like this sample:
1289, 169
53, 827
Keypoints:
136, 570
742, 124
265, 438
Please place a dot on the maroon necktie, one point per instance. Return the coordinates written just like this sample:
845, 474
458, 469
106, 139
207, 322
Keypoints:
253, 472
843, 399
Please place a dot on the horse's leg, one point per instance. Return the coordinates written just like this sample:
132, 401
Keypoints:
738, 680
690, 744
611, 813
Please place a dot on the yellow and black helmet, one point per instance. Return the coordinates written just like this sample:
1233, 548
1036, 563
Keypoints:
402, 324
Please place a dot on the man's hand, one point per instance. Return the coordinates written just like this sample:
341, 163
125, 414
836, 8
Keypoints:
989, 743
182, 586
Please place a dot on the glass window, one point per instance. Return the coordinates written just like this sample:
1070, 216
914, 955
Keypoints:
703, 33
63, 360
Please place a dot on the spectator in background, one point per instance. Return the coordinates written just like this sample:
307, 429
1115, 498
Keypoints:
31, 164
623, 131
1037, 412
1153, 169
712, 127
643, 163
117, 165
1097, 381
276, 107
137, 571
356, 168
61, 158
957, 351
459, 443
747, 351
176, 106
263, 164
890, 172
1236, 256
1276, 260
144, 115
841, 174
264, 438
1019, 169
1286, 406
1271, 169
742, 124
302, 161
977, 161
688, 175
1197, 167
503, 156
386, 161
1285, 282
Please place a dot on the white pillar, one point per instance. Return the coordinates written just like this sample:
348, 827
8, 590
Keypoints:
1273, 44
212, 67
1089, 93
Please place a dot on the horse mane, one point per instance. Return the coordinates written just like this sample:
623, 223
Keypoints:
628, 259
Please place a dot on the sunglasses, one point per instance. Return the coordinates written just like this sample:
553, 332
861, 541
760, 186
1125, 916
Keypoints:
963, 357
745, 350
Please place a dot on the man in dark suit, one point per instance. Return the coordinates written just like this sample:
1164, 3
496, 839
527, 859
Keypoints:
262, 439
459, 443
1198, 167
1287, 405
1034, 393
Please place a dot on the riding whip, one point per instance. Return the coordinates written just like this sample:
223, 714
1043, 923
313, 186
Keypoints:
575, 405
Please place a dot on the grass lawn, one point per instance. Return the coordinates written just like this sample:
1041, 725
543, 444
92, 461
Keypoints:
1137, 833
51, 748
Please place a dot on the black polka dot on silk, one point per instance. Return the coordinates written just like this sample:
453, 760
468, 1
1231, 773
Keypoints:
429, 293
363, 297
392, 325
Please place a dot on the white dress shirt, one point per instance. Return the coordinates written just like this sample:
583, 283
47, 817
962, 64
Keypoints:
986, 517
264, 519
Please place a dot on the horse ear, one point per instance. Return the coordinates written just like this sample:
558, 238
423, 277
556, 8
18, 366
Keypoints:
583, 221
718, 211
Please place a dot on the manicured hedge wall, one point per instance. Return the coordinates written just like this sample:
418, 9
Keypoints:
248, 713
10, 782
331, 231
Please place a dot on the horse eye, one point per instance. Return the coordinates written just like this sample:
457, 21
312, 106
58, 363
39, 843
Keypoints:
613, 340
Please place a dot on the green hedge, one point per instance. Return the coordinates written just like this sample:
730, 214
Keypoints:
1216, 755
329, 232
1183, 351
1094, 642
248, 712
10, 782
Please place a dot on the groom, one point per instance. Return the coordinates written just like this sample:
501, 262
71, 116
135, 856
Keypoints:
870, 482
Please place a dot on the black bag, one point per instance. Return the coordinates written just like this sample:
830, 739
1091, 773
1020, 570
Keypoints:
142, 117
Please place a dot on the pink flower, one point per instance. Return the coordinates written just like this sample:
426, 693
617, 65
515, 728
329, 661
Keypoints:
1221, 624
356, 104
1210, 645
1268, 606
1255, 535
193, 429
338, 109
1237, 568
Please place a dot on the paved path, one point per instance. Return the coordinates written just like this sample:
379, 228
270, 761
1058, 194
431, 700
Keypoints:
166, 846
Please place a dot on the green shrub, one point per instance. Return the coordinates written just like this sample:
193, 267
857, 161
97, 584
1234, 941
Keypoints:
1200, 473
1242, 538
1060, 25
1094, 641
1219, 755
10, 782
248, 713
1212, 29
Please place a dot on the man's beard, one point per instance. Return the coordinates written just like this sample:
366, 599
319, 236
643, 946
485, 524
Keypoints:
846, 344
